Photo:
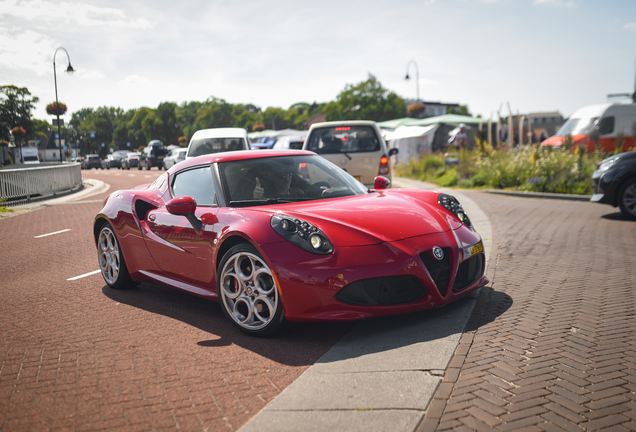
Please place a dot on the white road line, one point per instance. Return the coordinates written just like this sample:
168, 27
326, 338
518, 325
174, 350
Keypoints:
49, 234
84, 275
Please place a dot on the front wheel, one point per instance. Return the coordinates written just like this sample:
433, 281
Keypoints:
627, 199
248, 292
111, 260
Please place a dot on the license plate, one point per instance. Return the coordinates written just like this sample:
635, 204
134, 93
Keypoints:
160, 157
479, 247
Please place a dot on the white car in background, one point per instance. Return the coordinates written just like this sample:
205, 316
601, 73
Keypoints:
207, 141
175, 156
356, 146
289, 143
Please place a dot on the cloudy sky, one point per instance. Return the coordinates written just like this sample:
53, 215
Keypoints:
536, 55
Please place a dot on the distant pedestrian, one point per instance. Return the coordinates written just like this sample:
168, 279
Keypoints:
460, 139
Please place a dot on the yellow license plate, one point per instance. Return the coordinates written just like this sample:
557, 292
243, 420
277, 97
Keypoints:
479, 247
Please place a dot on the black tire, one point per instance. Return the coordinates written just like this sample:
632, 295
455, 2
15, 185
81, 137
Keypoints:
248, 292
111, 260
148, 166
139, 166
627, 199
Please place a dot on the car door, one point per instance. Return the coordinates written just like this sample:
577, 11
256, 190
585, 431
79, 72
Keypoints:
178, 248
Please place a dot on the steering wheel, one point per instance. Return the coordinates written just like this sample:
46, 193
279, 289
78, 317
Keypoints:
316, 189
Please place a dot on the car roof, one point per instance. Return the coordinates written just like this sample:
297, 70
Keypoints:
345, 123
220, 133
241, 155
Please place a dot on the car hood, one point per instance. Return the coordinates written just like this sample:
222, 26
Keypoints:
385, 216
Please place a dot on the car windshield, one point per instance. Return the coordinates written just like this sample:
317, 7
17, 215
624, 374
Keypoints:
203, 146
285, 179
577, 126
343, 139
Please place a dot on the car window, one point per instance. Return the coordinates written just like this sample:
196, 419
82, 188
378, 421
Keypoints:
606, 125
343, 139
285, 179
205, 146
196, 183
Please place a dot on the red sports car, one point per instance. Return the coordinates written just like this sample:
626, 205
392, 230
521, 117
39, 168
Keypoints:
279, 236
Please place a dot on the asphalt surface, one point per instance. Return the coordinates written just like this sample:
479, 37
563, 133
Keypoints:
549, 345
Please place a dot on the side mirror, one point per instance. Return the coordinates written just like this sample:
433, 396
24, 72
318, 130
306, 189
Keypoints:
185, 206
381, 183
393, 151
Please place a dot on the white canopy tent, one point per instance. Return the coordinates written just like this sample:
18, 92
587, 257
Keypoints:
411, 141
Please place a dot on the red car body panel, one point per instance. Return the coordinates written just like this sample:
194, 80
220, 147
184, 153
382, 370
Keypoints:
165, 248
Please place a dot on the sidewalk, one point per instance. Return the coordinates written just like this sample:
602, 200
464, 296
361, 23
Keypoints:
383, 374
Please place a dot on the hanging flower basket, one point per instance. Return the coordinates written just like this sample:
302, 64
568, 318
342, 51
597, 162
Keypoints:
183, 140
4, 143
415, 109
56, 108
18, 132
258, 127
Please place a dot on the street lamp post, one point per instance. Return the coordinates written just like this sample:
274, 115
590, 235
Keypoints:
70, 70
417, 77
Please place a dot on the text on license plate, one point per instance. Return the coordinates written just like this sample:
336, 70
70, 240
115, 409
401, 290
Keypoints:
479, 247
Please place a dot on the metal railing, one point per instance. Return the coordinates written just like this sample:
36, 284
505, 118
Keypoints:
27, 182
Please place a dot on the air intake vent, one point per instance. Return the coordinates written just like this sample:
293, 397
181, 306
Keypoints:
468, 272
438, 269
384, 291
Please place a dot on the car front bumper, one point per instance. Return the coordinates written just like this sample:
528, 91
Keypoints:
377, 280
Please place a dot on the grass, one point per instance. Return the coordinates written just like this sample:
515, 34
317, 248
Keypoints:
531, 168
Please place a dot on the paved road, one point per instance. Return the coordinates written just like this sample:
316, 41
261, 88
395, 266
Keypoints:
551, 343
76, 355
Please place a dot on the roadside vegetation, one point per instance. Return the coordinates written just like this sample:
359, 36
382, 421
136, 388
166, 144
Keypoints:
530, 168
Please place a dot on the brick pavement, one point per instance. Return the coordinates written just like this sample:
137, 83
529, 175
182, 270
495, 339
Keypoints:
77, 355
551, 343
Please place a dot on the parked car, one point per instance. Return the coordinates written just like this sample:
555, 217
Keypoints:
93, 161
207, 141
112, 161
130, 160
266, 142
176, 156
289, 143
279, 236
614, 183
355, 146
152, 155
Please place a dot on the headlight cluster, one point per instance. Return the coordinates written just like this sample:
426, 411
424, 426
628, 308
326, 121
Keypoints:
302, 234
451, 204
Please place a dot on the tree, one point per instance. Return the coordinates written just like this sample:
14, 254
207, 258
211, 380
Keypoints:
214, 113
166, 111
462, 110
144, 127
186, 115
365, 101
16, 104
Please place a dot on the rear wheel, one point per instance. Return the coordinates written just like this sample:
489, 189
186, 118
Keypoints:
111, 260
248, 292
627, 199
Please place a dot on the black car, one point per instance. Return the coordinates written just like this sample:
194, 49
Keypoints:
152, 155
92, 161
614, 183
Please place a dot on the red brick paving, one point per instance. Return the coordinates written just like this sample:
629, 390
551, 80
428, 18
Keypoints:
77, 355
551, 343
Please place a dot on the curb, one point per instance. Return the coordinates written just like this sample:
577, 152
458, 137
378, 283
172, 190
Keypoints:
543, 195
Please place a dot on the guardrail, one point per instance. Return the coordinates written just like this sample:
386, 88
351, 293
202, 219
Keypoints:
26, 182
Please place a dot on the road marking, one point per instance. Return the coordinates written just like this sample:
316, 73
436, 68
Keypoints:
50, 234
84, 275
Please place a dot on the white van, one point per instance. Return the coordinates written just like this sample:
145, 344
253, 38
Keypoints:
356, 146
30, 155
206, 141
606, 122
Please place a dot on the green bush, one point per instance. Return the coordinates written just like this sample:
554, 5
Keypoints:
531, 168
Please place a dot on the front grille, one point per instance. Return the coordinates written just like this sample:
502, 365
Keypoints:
383, 291
468, 272
438, 269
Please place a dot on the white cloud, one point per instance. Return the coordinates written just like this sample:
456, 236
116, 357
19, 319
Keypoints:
562, 3
630, 26
90, 75
81, 14
134, 80
26, 50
